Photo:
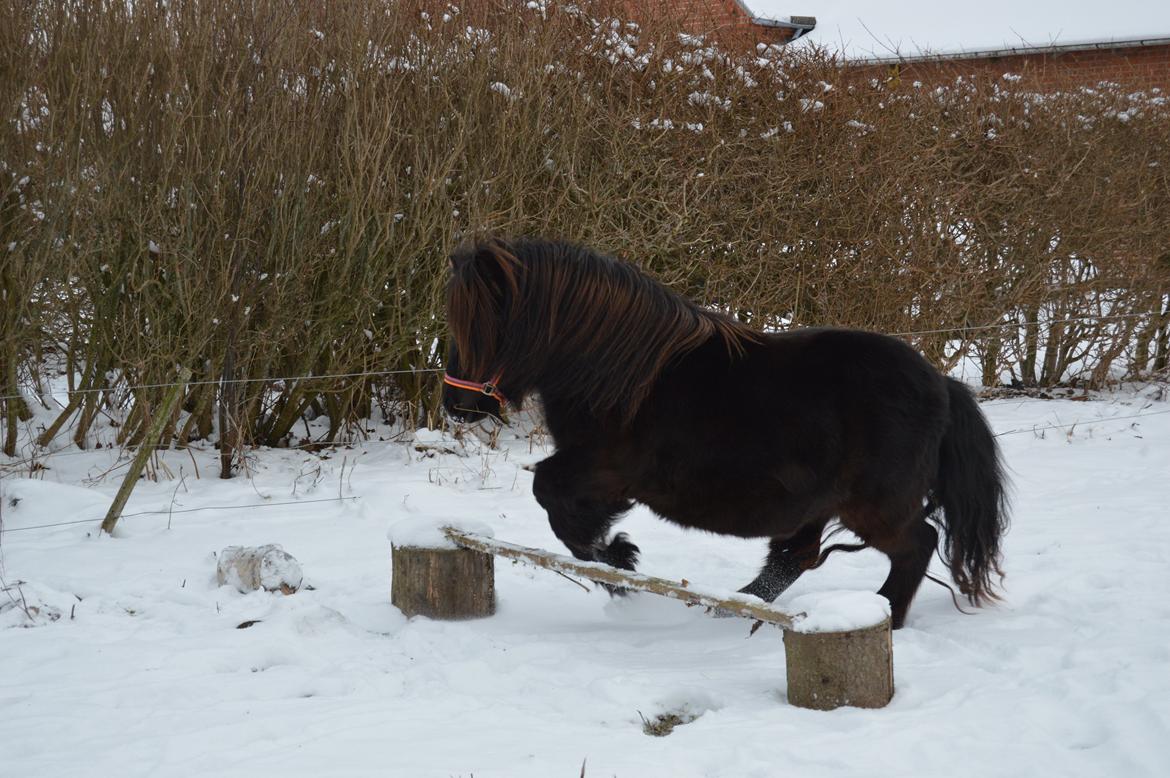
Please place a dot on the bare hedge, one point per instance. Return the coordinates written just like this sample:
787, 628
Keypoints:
260, 189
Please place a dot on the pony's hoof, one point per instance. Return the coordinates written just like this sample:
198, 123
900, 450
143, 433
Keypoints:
616, 591
620, 553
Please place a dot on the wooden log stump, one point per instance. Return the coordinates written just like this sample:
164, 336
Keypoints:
829, 669
442, 583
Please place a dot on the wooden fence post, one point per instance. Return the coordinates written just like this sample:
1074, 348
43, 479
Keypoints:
156, 427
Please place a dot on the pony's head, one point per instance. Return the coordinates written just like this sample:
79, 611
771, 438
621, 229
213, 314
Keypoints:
580, 327
480, 297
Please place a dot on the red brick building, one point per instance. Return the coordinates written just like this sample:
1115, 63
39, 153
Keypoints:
728, 20
1050, 43
1142, 63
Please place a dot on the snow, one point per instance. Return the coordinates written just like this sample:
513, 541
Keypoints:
500, 87
862, 30
427, 532
837, 611
431, 437
267, 567
131, 661
707, 99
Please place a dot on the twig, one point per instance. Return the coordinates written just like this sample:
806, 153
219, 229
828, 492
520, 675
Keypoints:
174, 495
574, 580
193, 462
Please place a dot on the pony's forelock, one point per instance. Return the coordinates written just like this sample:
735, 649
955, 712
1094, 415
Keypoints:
483, 275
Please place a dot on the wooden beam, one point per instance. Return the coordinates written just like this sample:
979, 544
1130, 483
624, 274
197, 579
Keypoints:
738, 604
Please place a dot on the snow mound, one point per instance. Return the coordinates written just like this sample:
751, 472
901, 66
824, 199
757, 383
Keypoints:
30, 502
837, 611
267, 567
432, 437
428, 532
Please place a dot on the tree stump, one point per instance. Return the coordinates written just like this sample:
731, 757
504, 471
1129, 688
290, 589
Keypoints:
829, 669
443, 583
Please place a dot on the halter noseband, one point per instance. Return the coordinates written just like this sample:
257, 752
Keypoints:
488, 388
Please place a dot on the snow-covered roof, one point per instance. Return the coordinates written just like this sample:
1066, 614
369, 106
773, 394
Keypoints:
914, 28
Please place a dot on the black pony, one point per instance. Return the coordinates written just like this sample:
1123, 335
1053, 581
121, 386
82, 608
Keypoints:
713, 425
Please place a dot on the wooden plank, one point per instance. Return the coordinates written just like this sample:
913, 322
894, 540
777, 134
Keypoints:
738, 604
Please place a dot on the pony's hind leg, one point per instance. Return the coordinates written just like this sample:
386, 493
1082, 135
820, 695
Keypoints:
582, 504
909, 552
787, 559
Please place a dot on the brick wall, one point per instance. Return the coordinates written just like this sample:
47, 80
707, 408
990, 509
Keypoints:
1139, 67
725, 20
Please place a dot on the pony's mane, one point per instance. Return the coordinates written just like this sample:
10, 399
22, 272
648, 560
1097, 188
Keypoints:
593, 327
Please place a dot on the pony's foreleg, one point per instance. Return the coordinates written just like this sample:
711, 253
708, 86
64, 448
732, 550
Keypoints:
582, 505
787, 559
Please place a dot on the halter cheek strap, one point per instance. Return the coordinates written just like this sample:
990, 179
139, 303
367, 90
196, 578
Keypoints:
487, 388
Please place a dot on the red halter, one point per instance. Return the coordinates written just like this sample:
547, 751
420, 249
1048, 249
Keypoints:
489, 388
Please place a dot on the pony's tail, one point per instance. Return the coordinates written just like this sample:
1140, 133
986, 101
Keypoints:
971, 488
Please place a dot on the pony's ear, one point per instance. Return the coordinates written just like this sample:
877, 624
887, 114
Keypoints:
488, 261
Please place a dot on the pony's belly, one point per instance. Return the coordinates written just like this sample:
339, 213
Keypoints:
743, 510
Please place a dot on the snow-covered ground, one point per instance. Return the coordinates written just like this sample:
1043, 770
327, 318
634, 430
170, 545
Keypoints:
131, 662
